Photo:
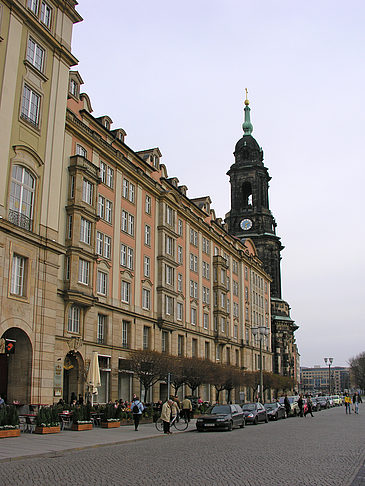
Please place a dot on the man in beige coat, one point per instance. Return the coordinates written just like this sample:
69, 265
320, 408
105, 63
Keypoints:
166, 416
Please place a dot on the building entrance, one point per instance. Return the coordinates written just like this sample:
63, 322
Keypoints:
16, 367
73, 376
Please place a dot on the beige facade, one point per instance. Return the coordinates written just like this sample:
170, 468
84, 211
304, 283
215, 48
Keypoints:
100, 249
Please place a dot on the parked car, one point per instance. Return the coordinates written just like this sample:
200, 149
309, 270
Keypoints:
255, 413
330, 401
275, 410
337, 400
293, 404
323, 402
221, 417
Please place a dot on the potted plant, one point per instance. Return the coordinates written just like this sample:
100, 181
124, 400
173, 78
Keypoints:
81, 417
9, 421
47, 421
110, 416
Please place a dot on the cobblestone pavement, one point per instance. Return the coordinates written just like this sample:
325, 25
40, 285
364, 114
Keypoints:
326, 450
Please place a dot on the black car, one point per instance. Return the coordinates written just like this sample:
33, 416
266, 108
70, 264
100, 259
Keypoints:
275, 410
323, 402
221, 417
255, 413
316, 407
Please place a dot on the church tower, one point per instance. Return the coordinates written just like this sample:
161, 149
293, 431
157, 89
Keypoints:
250, 217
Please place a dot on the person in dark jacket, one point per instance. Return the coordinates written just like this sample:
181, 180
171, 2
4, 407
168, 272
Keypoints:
356, 399
309, 407
287, 405
137, 409
300, 405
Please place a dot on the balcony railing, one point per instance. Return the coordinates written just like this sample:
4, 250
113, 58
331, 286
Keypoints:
20, 220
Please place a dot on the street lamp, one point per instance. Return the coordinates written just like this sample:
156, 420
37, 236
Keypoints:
261, 331
330, 361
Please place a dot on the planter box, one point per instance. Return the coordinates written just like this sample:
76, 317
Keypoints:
47, 430
126, 422
9, 433
110, 425
81, 426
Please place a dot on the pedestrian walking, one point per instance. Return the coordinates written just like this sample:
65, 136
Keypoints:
137, 409
175, 410
356, 399
166, 416
187, 408
309, 407
300, 405
287, 405
347, 404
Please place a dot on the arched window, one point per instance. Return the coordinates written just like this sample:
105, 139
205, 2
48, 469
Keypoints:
246, 194
21, 202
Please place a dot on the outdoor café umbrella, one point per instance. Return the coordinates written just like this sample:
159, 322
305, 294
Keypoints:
93, 376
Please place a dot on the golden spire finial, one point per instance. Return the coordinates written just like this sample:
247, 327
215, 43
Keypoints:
246, 100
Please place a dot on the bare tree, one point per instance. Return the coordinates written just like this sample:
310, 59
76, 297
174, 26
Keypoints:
149, 367
197, 371
357, 370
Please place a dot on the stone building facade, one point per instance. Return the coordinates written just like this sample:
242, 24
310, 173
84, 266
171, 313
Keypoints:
100, 250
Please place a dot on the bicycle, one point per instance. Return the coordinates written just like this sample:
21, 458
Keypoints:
180, 423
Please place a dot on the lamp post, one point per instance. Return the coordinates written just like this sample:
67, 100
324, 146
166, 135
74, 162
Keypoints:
261, 331
330, 361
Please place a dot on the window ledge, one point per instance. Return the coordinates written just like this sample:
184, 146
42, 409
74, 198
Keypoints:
35, 70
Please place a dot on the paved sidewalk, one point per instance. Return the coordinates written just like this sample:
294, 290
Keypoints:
52, 445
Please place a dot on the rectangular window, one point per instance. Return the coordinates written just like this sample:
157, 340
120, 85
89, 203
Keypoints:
147, 266
102, 283
218, 357
131, 192
193, 237
169, 305
80, 150
180, 227
147, 206
67, 268
206, 246
206, 270
124, 221
169, 275
169, 246
206, 350
33, 5
109, 211
102, 172
146, 299
165, 342
147, 235
146, 337
18, 276
235, 288
69, 226
46, 15
193, 262
223, 324
101, 331
74, 319
130, 258
223, 300
85, 231
35, 54
84, 271
101, 207
235, 331
179, 312
125, 291
72, 187
30, 106
180, 345
206, 321
109, 177
125, 188
180, 255
125, 334
193, 316
169, 216
87, 192
179, 282
131, 224
107, 246
99, 243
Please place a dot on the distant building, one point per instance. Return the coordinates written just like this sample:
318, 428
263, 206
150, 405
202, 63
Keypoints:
316, 380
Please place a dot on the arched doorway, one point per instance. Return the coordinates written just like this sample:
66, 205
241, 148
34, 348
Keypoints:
73, 376
16, 367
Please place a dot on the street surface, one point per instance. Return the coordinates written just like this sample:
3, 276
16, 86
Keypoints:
327, 450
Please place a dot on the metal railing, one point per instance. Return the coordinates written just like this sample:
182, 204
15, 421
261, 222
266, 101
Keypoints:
20, 220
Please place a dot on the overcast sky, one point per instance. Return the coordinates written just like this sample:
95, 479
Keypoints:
173, 74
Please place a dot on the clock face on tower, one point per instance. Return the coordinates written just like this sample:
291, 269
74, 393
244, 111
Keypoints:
246, 224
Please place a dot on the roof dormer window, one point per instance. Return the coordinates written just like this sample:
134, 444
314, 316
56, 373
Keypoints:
106, 124
74, 88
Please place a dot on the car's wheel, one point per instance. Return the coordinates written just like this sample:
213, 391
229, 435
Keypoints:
243, 423
276, 416
199, 429
267, 419
230, 426
256, 420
